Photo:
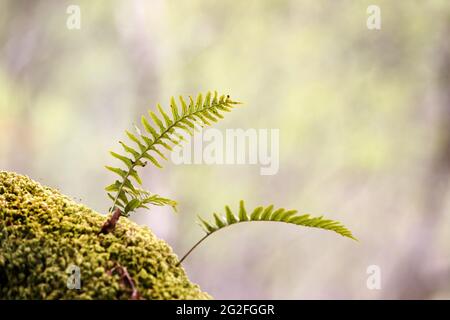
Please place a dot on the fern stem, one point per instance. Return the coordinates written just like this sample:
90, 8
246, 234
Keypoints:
193, 248
206, 236
119, 191
155, 142
121, 188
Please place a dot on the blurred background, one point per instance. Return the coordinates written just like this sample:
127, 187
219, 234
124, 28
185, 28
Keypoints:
364, 119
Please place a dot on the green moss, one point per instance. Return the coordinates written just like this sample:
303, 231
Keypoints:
43, 232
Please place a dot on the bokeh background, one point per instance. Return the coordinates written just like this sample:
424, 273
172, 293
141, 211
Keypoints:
364, 119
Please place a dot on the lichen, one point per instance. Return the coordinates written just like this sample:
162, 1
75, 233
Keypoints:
43, 232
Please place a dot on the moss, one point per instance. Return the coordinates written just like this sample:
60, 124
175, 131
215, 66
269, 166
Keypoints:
43, 232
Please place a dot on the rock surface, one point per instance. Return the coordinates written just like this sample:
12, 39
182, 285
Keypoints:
43, 233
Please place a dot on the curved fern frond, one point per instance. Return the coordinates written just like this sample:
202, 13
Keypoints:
150, 145
270, 214
267, 214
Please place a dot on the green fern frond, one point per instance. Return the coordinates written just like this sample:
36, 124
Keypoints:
150, 145
269, 214
266, 214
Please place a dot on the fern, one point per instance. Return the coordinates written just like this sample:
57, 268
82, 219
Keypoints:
267, 214
164, 135
149, 146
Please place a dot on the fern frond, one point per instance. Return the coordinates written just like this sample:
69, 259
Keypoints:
269, 214
266, 214
150, 143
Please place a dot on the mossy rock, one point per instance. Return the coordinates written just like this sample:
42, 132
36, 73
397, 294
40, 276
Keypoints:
43, 232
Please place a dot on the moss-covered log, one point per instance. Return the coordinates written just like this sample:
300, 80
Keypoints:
43, 232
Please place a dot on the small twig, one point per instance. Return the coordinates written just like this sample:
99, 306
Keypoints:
110, 224
126, 280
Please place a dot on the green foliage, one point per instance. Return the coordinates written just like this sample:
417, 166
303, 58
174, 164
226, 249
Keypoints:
270, 214
43, 233
162, 135
165, 133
